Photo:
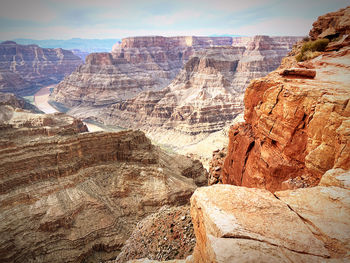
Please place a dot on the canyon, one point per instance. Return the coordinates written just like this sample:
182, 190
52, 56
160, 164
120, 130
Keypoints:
281, 184
178, 90
25, 68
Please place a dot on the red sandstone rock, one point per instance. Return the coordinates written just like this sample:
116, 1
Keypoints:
296, 128
332, 24
298, 72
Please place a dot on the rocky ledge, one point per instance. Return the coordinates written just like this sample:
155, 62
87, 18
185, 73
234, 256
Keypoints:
67, 195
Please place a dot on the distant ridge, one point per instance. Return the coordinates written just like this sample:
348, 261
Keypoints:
83, 44
227, 35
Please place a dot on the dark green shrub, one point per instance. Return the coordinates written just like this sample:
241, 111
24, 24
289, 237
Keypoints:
308, 49
319, 44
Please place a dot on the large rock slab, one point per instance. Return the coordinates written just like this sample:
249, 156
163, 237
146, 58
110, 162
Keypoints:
238, 224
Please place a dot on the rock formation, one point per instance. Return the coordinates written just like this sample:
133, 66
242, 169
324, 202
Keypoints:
296, 121
136, 64
68, 196
25, 67
296, 135
204, 97
238, 224
150, 63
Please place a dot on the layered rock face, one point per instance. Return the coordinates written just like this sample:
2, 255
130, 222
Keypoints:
238, 224
24, 67
297, 127
297, 124
69, 196
201, 98
136, 64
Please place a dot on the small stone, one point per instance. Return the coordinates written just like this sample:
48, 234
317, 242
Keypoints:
183, 218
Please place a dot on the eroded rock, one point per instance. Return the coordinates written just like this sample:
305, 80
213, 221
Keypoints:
67, 195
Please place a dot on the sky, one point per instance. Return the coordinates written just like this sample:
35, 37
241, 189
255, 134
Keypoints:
64, 19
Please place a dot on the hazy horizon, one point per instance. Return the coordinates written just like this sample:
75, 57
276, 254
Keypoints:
107, 19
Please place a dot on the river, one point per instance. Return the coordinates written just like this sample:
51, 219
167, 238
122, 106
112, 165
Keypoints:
41, 98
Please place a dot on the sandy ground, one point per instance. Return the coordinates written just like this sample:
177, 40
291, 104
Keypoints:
41, 99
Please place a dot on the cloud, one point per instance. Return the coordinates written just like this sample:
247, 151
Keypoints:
278, 27
33, 10
120, 18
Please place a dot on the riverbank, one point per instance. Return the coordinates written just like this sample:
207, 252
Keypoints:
41, 98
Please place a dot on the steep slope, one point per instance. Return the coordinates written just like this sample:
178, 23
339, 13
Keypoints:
68, 196
208, 92
296, 135
297, 122
24, 67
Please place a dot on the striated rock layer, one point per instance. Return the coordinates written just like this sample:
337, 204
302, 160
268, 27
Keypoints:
239, 224
24, 67
296, 124
138, 64
69, 196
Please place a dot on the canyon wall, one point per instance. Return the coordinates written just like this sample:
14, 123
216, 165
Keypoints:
136, 64
139, 64
68, 195
296, 122
207, 94
24, 67
178, 112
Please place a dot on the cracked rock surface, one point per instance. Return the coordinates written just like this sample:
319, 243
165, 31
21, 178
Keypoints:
239, 224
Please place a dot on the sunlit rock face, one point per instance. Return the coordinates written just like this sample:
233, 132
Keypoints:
296, 119
25, 67
239, 224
